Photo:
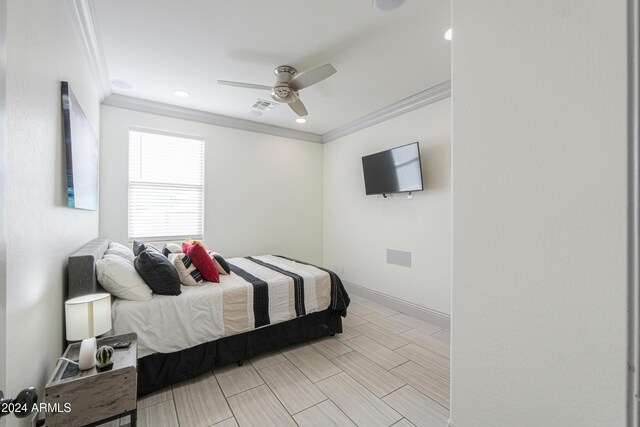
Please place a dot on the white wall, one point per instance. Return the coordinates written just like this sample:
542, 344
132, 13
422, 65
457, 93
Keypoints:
41, 232
539, 213
3, 167
358, 229
263, 194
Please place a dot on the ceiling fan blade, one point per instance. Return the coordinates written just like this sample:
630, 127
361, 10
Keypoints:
299, 108
313, 76
245, 85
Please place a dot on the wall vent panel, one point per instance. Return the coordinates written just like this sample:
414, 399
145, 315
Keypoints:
401, 258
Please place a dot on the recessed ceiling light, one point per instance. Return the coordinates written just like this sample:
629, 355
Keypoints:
387, 5
301, 120
447, 35
182, 94
121, 84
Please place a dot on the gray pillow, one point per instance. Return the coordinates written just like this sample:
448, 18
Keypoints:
158, 272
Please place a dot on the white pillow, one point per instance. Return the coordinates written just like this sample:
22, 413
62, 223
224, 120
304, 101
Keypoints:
118, 277
171, 248
174, 248
189, 274
118, 246
116, 257
123, 251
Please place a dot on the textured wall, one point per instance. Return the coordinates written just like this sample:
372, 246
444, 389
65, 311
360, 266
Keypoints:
358, 229
263, 194
539, 213
41, 232
3, 168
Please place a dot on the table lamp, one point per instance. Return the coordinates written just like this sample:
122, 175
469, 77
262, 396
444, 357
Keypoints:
87, 316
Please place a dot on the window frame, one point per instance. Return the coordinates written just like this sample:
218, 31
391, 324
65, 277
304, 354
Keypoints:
172, 238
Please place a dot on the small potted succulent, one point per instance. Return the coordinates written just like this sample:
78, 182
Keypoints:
104, 358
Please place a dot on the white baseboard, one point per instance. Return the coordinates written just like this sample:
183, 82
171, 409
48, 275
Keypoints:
423, 313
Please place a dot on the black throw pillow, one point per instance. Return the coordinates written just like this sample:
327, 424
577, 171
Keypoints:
166, 251
139, 247
158, 272
223, 263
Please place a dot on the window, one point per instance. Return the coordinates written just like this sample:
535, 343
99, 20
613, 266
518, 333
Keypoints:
166, 187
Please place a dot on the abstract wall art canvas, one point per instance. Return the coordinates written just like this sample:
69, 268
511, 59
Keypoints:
81, 146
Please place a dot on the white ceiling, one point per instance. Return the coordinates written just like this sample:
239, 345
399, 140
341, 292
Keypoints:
159, 46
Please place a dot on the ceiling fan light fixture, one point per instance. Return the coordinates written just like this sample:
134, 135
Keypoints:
387, 5
288, 83
448, 34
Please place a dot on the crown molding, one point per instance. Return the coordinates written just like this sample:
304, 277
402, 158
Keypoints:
169, 110
420, 99
85, 25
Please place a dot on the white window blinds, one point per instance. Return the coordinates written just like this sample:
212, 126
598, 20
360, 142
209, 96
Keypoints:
166, 187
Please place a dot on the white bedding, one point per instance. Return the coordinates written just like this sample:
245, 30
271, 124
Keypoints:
166, 324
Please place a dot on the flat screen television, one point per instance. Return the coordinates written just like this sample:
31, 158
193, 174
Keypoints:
397, 170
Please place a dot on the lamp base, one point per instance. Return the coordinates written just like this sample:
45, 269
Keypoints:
87, 356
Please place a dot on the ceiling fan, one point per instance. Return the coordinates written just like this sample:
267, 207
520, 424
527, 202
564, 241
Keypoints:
288, 83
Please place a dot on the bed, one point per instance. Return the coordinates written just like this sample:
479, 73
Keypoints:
266, 303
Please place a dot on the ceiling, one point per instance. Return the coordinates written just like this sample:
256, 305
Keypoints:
160, 46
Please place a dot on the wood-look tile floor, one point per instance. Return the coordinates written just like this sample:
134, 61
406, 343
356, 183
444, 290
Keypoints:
387, 368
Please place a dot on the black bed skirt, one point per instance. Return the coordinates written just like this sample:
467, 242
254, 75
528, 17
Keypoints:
160, 370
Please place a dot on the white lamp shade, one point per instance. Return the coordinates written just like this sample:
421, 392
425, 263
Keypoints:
88, 316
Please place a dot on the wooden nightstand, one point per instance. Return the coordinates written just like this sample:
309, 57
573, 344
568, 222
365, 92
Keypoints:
94, 397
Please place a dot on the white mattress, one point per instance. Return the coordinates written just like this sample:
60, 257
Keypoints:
166, 324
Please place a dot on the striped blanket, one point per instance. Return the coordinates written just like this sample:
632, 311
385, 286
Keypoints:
279, 289
260, 291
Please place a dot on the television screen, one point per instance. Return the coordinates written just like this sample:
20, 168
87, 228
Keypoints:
393, 171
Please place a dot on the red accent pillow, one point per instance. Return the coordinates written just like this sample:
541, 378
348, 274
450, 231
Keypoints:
202, 261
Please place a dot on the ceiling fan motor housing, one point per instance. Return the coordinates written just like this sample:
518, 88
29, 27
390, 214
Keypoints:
287, 85
282, 91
